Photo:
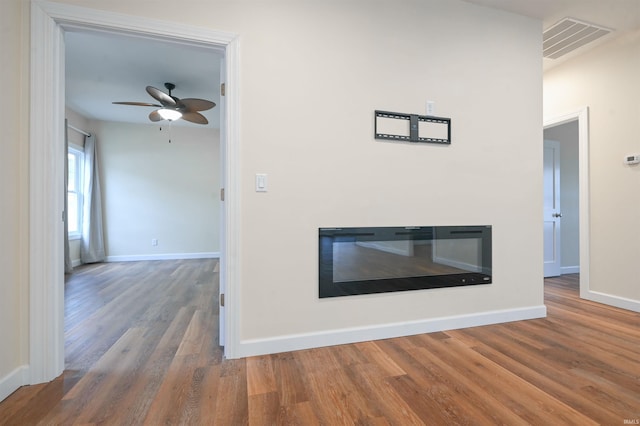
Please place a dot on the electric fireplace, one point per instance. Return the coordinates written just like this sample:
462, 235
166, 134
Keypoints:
385, 259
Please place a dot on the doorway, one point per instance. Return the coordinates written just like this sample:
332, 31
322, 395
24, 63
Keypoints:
552, 207
561, 195
143, 175
570, 131
46, 276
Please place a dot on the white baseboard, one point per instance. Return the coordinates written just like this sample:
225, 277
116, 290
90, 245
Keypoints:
167, 256
75, 262
386, 331
12, 381
608, 299
569, 270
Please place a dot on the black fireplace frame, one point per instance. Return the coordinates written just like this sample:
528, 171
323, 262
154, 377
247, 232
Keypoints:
327, 236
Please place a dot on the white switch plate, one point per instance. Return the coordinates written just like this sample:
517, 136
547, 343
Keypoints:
261, 182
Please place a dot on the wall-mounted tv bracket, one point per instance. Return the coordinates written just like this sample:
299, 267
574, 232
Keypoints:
412, 127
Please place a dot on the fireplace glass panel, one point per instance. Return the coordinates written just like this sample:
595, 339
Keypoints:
374, 260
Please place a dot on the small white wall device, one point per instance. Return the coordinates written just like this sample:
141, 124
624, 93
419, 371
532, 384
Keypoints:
632, 159
261, 182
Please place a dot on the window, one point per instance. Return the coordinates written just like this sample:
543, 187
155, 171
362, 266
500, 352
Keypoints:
75, 159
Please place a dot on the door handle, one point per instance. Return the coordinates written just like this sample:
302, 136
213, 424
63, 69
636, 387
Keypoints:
557, 215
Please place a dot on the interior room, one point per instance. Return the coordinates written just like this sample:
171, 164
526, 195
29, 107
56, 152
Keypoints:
157, 179
292, 149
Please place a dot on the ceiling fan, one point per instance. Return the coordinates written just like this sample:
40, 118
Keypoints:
172, 108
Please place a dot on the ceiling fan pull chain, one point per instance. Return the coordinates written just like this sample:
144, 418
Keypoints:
169, 131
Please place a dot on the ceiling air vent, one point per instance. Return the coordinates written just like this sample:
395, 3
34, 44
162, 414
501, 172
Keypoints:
568, 35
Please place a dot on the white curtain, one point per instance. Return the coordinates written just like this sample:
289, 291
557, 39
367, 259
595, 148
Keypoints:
92, 241
68, 267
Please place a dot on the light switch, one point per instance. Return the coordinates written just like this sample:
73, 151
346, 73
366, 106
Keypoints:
261, 182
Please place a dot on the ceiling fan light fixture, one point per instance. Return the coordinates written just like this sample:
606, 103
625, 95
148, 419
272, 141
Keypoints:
169, 114
171, 108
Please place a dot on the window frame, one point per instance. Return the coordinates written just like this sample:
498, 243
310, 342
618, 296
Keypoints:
78, 153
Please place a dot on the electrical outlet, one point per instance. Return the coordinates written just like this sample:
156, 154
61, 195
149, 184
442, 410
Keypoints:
431, 108
154, 242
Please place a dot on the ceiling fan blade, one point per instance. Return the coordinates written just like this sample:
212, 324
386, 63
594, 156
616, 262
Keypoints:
193, 104
160, 96
195, 117
137, 104
155, 116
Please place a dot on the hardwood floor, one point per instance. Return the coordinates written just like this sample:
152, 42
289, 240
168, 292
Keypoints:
141, 349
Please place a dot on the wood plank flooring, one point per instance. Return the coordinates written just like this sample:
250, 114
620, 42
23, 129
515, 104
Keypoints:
141, 349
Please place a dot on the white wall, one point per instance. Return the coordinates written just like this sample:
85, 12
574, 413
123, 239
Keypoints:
483, 72
14, 212
567, 135
156, 189
606, 80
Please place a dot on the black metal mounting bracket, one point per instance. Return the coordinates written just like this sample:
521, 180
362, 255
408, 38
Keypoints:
421, 128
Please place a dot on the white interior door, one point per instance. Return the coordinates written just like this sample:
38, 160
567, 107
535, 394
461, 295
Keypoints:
223, 223
552, 213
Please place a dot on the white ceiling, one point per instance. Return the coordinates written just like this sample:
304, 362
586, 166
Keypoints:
610, 13
622, 16
105, 67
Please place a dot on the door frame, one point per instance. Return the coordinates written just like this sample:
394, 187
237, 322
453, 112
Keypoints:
582, 117
46, 153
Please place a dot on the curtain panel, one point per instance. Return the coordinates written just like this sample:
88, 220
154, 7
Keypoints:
92, 240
